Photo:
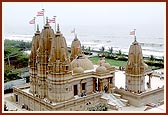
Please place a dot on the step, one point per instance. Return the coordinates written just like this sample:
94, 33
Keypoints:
118, 96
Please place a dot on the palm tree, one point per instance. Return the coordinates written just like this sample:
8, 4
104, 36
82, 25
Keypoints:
110, 51
102, 49
83, 48
162, 58
119, 53
151, 58
89, 49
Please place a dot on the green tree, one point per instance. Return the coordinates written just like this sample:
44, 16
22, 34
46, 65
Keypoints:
110, 50
83, 48
119, 53
102, 49
151, 58
99, 107
162, 58
89, 50
23, 59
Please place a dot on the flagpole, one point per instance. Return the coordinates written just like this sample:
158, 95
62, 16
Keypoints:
74, 32
134, 35
55, 22
34, 24
43, 17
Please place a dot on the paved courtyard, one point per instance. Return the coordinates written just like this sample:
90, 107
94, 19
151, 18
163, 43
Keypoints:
155, 81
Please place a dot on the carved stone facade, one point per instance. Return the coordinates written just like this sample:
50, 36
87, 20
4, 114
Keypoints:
75, 48
135, 69
59, 82
59, 78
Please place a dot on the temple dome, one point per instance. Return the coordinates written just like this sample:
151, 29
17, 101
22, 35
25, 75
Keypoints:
106, 65
101, 69
103, 62
83, 62
78, 70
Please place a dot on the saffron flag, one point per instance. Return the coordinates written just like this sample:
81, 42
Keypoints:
32, 21
132, 32
40, 13
51, 20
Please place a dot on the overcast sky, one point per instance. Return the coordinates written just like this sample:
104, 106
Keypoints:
17, 15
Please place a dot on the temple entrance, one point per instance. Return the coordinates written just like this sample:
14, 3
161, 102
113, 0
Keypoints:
105, 89
16, 98
75, 90
83, 86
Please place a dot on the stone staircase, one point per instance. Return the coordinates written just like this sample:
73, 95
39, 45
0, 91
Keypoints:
115, 101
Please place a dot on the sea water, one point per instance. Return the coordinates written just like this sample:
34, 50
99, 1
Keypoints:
151, 40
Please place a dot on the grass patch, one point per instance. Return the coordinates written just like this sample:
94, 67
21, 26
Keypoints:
112, 62
117, 63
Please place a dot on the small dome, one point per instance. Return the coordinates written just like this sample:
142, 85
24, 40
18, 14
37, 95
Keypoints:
101, 69
107, 65
78, 70
83, 62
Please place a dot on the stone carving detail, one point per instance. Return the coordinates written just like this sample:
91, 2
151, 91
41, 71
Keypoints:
135, 69
75, 48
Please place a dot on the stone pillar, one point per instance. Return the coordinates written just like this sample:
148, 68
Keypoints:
101, 85
109, 85
94, 84
149, 85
